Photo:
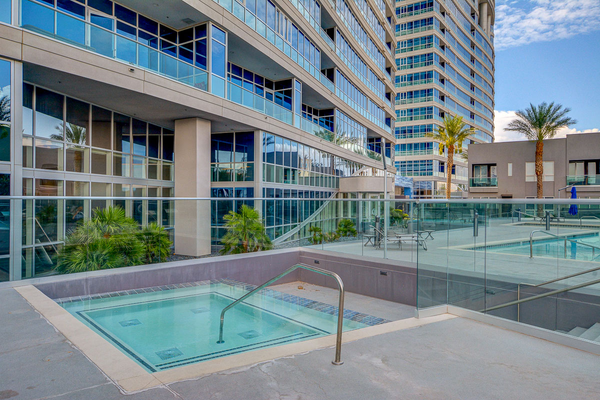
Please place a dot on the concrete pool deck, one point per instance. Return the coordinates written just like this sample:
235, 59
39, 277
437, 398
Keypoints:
453, 358
452, 251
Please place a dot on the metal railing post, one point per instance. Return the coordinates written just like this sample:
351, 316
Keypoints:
476, 224
519, 304
340, 324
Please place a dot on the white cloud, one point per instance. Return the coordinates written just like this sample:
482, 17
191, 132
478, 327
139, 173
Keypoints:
547, 20
503, 118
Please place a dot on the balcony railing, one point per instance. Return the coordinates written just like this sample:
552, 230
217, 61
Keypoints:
483, 182
584, 180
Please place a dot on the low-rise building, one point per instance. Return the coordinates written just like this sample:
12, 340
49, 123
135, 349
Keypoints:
507, 170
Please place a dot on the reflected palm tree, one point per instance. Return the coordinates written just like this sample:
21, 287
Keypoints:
4, 108
73, 134
4, 116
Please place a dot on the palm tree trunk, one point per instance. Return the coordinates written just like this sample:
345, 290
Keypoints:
539, 173
539, 168
449, 171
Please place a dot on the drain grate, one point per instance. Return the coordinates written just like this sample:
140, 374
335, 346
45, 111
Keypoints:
249, 334
200, 310
169, 353
130, 322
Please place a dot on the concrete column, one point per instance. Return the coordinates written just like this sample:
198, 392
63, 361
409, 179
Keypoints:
16, 179
483, 17
192, 179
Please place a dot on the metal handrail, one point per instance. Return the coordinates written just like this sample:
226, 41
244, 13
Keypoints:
547, 283
338, 342
588, 217
564, 238
540, 296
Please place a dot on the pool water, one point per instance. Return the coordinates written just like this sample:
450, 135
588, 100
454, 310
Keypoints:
555, 248
162, 328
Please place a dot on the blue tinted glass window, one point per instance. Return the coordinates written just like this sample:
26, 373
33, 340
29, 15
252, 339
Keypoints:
260, 9
222, 148
148, 25
106, 6
218, 34
139, 137
148, 39
107, 23
236, 70
168, 145
218, 59
186, 35
200, 31
251, 6
5, 11
244, 146
126, 30
153, 140
168, 48
168, 34
186, 52
35, 15
125, 14
201, 54
71, 7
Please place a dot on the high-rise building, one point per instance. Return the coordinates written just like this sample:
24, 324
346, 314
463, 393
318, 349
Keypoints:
249, 99
445, 61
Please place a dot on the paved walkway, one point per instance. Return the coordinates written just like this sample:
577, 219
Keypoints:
454, 359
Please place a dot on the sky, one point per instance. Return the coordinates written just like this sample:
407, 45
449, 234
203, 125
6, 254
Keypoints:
547, 50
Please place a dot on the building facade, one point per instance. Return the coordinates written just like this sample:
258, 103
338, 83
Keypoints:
507, 170
222, 99
445, 61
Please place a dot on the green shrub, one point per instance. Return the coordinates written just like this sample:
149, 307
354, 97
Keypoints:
157, 246
317, 235
110, 239
245, 232
346, 228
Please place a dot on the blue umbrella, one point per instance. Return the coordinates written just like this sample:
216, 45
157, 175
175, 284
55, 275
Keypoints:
573, 208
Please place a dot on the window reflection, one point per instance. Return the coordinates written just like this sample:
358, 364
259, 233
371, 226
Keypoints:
49, 114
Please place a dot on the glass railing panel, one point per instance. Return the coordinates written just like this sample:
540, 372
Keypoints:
483, 182
432, 271
583, 180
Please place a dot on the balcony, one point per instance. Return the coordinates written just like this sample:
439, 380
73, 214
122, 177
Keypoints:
583, 180
483, 182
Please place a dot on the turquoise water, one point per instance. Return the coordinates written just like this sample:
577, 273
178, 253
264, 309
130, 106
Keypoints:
555, 248
171, 328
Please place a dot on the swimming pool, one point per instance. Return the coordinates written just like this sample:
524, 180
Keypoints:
554, 248
171, 326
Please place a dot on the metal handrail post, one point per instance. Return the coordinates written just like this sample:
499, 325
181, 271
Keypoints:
519, 304
340, 324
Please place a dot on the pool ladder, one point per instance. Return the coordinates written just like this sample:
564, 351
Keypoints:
338, 342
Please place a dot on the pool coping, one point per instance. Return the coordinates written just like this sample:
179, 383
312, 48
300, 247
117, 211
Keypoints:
131, 377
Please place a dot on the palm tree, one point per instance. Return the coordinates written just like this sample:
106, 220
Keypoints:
245, 232
538, 124
451, 136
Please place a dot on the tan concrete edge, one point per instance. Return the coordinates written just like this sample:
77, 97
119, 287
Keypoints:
122, 370
131, 377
